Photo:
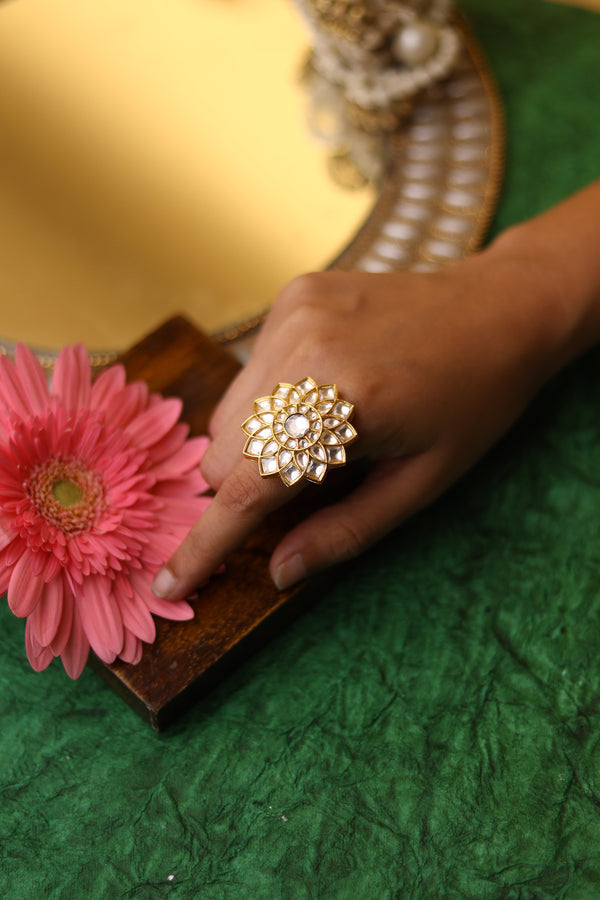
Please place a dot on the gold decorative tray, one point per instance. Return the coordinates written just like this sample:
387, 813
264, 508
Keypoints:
156, 159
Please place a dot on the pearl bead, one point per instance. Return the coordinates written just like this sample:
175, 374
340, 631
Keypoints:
416, 43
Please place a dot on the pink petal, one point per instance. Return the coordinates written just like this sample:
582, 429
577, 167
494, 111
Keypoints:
7, 535
176, 610
170, 443
181, 512
106, 385
45, 618
75, 654
32, 378
86, 435
126, 493
9, 464
63, 632
39, 657
182, 462
188, 484
101, 618
137, 618
51, 567
151, 425
132, 649
137, 519
11, 389
4, 580
73, 377
161, 547
128, 403
24, 590
14, 551
120, 465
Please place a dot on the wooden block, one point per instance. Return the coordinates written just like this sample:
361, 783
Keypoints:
236, 612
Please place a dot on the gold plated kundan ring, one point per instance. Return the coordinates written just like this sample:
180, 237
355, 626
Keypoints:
299, 431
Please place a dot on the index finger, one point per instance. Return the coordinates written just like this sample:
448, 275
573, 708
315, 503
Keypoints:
239, 506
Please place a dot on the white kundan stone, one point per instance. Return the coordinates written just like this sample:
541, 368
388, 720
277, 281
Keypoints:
297, 425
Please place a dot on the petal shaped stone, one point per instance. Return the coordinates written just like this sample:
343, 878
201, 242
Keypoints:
329, 422
284, 458
263, 404
318, 452
328, 437
268, 465
252, 425
265, 433
302, 460
336, 455
346, 432
282, 390
328, 392
270, 448
325, 406
253, 447
316, 470
291, 474
343, 409
306, 385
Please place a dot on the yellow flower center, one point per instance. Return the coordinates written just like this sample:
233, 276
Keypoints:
67, 493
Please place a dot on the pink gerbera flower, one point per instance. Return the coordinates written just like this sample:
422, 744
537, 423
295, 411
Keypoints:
98, 486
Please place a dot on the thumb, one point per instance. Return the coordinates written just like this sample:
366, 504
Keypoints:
392, 491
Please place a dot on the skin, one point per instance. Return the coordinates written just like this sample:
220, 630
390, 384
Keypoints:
438, 366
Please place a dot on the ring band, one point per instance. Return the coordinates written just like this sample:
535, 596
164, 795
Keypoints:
298, 431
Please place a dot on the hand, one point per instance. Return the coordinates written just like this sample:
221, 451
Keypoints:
438, 367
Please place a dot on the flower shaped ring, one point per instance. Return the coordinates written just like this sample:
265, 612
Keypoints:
299, 431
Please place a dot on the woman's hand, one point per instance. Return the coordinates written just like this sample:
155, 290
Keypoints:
438, 366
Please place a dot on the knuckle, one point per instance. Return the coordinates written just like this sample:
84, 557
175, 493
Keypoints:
212, 469
347, 541
240, 496
303, 289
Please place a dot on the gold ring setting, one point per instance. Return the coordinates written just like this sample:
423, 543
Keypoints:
298, 431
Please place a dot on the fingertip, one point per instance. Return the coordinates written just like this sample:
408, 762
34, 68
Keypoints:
289, 572
164, 585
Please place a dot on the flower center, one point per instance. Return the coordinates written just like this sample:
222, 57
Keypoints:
67, 494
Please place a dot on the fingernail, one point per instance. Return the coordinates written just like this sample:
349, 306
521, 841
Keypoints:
164, 584
290, 572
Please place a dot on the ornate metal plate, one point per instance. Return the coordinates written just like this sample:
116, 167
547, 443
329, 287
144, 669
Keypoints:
443, 179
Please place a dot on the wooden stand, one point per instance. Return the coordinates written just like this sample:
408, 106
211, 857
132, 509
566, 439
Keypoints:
236, 612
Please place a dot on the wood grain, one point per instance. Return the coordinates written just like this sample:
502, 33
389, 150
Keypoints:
236, 612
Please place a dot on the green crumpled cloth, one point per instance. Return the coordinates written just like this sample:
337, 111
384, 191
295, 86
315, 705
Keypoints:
431, 727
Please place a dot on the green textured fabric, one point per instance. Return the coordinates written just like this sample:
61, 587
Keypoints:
431, 727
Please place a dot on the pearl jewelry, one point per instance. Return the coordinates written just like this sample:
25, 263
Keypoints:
416, 43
